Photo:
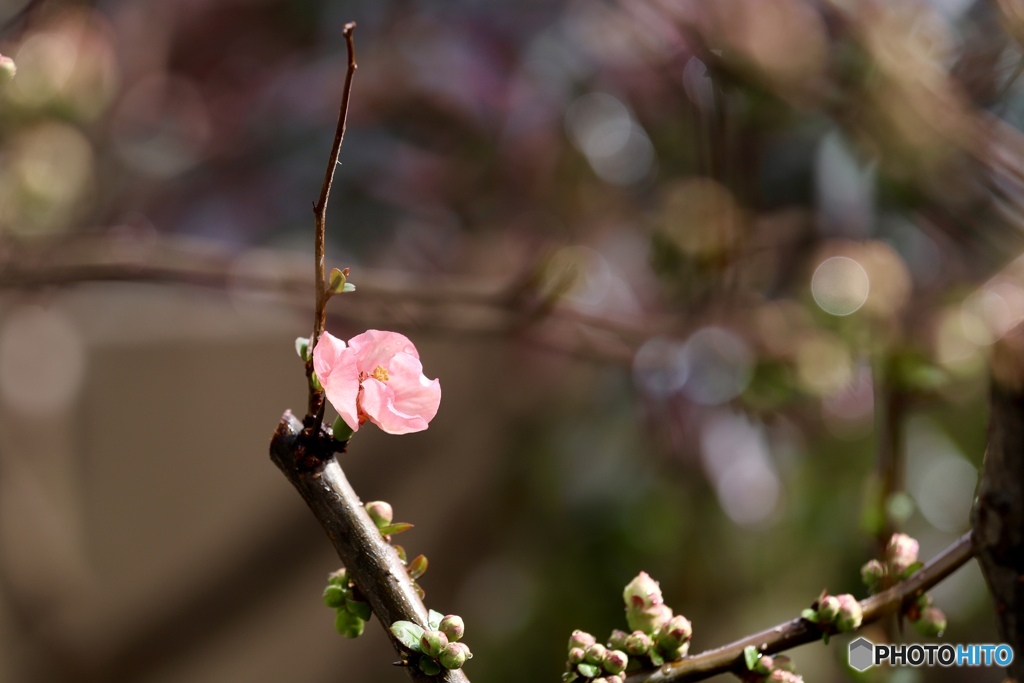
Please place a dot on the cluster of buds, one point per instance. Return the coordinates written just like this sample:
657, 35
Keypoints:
657, 637
768, 669
437, 647
840, 611
657, 633
352, 610
590, 659
901, 562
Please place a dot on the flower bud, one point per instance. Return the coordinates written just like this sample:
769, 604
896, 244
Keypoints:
782, 663
780, 676
334, 595
850, 614
650, 619
828, 609
599, 679
433, 642
453, 627
576, 655
672, 654
454, 656
615, 678
676, 632
642, 592
380, 512
872, 574
617, 640
764, 665
932, 622
638, 643
615, 661
596, 653
581, 639
901, 552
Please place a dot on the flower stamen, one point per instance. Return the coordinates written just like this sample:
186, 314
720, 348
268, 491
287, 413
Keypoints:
380, 373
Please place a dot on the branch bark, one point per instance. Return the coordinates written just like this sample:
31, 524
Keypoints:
800, 631
998, 516
370, 560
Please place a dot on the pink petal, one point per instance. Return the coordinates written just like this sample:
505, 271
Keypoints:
414, 393
336, 369
377, 347
378, 402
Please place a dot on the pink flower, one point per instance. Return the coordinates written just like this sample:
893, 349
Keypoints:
377, 377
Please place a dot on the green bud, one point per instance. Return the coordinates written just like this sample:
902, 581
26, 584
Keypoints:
348, 624
453, 627
302, 348
429, 666
850, 613
380, 512
638, 643
595, 654
932, 623
338, 578
648, 619
617, 640
872, 574
581, 639
764, 665
828, 609
576, 655
924, 601
677, 631
615, 661
433, 642
454, 656
334, 596
341, 430
672, 654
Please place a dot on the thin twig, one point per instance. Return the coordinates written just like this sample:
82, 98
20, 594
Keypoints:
800, 631
315, 412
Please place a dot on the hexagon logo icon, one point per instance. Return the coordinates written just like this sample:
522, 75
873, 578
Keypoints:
862, 654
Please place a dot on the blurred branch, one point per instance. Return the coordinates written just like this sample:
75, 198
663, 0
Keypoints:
998, 516
372, 562
315, 411
800, 631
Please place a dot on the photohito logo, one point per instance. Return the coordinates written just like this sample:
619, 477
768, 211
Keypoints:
864, 654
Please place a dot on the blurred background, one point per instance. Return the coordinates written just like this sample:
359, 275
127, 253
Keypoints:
710, 289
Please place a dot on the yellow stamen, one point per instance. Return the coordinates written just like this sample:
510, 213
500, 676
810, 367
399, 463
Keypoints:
380, 373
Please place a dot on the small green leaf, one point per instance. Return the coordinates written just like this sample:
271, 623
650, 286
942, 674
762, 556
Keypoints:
434, 619
348, 287
334, 596
418, 567
401, 552
395, 529
419, 591
302, 348
810, 615
824, 637
569, 677
358, 608
587, 670
341, 430
348, 624
656, 658
336, 280
429, 666
408, 634
750, 656
911, 570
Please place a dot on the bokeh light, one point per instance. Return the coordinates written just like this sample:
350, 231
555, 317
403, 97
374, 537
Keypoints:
840, 285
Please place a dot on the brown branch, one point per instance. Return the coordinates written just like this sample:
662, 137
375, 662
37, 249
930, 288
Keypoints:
998, 515
315, 411
800, 631
372, 562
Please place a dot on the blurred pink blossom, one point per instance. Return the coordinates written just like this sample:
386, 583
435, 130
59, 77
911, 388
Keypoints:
378, 377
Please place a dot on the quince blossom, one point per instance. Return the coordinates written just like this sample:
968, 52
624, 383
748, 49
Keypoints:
378, 377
